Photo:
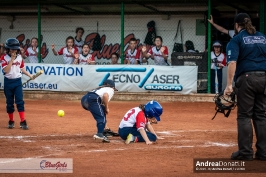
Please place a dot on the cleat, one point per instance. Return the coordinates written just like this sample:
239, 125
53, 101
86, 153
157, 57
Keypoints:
100, 136
11, 124
109, 133
24, 125
130, 138
106, 140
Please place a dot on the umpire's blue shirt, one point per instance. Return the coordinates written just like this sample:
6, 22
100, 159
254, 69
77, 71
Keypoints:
249, 51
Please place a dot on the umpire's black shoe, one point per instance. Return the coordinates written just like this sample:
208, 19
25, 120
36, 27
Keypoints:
24, 125
11, 124
258, 157
237, 156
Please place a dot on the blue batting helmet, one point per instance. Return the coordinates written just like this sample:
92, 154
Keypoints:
153, 109
12, 43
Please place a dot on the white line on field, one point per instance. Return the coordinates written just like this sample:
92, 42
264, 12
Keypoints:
28, 158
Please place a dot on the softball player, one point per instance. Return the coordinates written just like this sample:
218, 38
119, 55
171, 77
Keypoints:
218, 60
1, 50
78, 39
96, 101
136, 122
69, 52
13, 65
158, 52
85, 58
114, 59
32, 52
133, 55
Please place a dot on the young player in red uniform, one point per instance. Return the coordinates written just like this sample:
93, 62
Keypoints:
136, 122
133, 55
69, 52
85, 58
32, 52
13, 67
158, 53
78, 39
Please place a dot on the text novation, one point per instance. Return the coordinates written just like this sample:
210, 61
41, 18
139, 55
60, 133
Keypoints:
220, 163
56, 70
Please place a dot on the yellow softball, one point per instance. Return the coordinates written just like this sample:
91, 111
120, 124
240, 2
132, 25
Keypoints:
60, 113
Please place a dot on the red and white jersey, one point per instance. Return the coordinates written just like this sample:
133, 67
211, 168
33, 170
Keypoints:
31, 55
220, 59
134, 118
79, 45
83, 59
68, 59
158, 58
15, 71
133, 56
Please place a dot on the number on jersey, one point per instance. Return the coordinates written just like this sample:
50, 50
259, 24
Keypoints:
129, 114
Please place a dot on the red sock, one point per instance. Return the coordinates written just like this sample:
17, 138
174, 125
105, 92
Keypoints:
136, 140
21, 115
11, 116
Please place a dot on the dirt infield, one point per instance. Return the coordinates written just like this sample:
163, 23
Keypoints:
187, 129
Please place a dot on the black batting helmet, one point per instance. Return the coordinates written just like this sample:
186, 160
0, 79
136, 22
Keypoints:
110, 83
224, 104
12, 43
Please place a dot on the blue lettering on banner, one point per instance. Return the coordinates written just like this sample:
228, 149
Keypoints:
56, 71
254, 40
40, 86
104, 79
146, 77
159, 82
164, 87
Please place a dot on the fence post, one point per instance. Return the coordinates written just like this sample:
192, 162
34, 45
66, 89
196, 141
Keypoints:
122, 33
39, 34
209, 48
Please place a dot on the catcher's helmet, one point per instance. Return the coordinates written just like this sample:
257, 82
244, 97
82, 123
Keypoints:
224, 104
12, 43
153, 109
110, 83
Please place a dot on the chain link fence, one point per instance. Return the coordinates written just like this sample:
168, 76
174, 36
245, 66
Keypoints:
117, 28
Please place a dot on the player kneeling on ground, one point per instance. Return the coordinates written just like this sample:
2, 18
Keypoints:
96, 101
136, 122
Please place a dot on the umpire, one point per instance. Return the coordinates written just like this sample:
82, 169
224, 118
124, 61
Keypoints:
246, 60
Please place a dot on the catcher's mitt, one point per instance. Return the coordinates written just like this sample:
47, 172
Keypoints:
224, 104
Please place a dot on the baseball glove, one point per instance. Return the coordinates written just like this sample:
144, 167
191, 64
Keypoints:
224, 104
109, 133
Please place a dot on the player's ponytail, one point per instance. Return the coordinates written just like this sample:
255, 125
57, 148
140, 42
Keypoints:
142, 106
248, 26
